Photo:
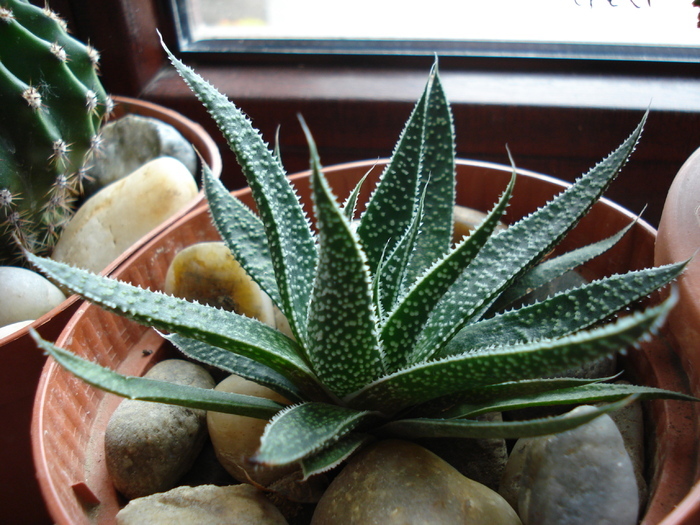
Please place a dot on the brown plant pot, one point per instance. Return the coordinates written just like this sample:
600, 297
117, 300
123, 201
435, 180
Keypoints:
678, 240
70, 416
21, 362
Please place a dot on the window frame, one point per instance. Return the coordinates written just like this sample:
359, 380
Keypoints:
356, 104
333, 49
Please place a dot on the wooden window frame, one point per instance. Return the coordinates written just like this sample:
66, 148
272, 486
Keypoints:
557, 116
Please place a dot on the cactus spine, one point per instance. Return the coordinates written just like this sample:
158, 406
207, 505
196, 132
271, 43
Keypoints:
52, 106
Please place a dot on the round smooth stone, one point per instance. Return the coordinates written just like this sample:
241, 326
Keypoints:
208, 273
14, 327
398, 482
26, 295
133, 140
109, 222
576, 477
203, 505
237, 438
149, 446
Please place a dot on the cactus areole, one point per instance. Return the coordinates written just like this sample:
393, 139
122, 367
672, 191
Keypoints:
397, 332
52, 106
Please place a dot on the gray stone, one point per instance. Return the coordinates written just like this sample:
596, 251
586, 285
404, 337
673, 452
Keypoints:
204, 505
26, 295
149, 446
580, 476
130, 142
630, 422
511, 480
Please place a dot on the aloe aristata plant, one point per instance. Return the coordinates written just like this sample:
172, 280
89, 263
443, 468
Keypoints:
396, 331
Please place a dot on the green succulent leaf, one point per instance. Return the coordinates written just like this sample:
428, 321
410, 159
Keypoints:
343, 344
423, 155
433, 379
349, 207
584, 394
455, 405
243, 233
303, 430
159, 391
517, 249
550, 269
334, 455
391, 206
403, 325
390, 279
469, 428
437, 170
565, 312
245, 336
236, 364
290, 239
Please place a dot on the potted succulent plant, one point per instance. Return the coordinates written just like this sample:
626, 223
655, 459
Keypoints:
394, 331
48, 136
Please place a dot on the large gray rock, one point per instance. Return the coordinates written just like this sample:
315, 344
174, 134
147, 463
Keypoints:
130, 142
203, 505
149, 446
577, 477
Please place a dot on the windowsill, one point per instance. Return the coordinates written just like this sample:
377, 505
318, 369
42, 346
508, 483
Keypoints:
572, 90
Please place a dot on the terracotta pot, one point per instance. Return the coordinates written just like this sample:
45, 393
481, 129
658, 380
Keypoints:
70, 416
21, 362
679, 239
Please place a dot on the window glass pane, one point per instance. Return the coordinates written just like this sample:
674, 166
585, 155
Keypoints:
416, 24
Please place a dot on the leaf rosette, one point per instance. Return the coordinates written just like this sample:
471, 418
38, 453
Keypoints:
396, 330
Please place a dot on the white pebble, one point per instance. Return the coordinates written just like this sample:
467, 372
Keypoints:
26, 295
113, 219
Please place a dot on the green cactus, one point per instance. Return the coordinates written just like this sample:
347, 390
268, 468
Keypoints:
52, 106
396, 332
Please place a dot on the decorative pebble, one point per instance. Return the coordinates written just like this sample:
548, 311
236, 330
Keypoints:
630, 422
114, 218
577, 477
130, 142
397, 482
26, 295
14, 327
237, 438
203, 505
149, 446
208, 273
